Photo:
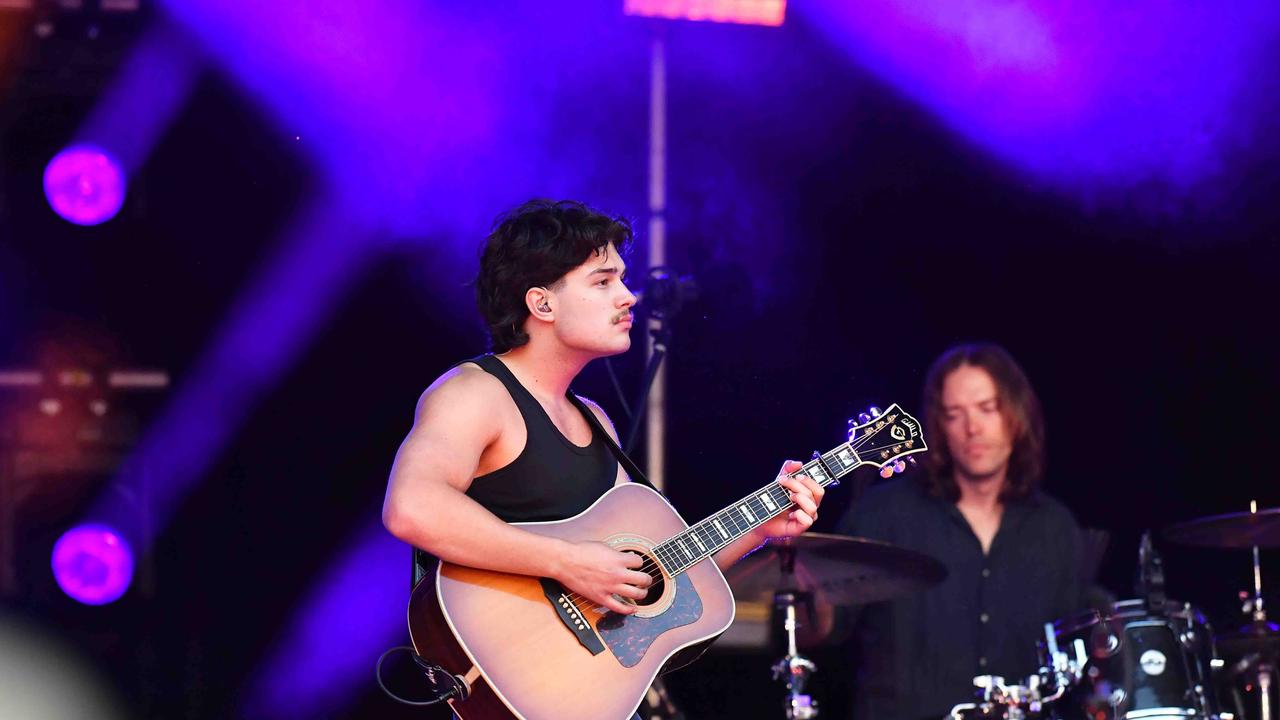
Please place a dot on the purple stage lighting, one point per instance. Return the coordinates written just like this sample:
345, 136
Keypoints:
84, 185
92, 564
1091, 95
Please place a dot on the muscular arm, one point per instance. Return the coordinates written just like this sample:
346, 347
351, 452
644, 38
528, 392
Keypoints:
426, 505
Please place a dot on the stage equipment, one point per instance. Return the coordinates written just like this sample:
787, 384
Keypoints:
818, 572
770, 12
1035, 698
1250, 653
664, 294
1144, 661
834, 570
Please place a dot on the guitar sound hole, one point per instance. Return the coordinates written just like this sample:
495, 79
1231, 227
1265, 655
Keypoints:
655, 590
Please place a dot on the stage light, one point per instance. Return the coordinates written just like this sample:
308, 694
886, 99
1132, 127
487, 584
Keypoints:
84, 185
93, 564
744, 12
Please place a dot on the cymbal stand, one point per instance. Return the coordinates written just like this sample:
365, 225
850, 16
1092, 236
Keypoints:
793, 669
1265, 671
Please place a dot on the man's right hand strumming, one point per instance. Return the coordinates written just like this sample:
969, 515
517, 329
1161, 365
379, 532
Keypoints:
598, 572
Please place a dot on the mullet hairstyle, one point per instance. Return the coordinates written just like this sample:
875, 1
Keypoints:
1019, 408
536, 245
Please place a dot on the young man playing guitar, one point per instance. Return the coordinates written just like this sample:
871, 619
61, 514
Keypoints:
501, 439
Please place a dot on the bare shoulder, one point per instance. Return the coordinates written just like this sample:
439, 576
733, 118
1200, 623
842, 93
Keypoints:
464, 387
600, 413
466, 400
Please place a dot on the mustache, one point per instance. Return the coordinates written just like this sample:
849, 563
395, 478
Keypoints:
622, 316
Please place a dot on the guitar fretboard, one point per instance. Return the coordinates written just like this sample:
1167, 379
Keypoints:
709, 536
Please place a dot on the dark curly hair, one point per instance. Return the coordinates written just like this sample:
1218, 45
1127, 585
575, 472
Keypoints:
536, 245
1018, 406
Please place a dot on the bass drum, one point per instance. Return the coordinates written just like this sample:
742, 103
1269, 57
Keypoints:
1144, 664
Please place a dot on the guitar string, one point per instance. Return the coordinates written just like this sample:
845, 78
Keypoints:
648, 566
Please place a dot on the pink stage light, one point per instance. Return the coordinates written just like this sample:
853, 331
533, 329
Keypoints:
92, 564
743, 12
84, 185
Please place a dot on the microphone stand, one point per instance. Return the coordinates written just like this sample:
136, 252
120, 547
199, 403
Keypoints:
661, 339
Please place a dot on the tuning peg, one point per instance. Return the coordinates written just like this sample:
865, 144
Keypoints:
887, 471
899, 466
911, 459
863, 418
875, 411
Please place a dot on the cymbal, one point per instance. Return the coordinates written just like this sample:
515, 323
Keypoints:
1260, 638
1240, 530
837, 569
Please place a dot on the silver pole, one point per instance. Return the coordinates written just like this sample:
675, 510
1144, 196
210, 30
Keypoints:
1259, 613
655, 413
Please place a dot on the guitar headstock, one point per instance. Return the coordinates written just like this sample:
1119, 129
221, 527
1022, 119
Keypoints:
886, 437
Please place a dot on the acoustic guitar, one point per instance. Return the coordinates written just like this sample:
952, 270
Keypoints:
527, 648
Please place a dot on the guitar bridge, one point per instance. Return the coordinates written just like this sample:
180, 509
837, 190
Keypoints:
571, 616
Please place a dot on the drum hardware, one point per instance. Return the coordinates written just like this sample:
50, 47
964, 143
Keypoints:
1021, 702
819, 572
794, 669
1141, 663
1252, 652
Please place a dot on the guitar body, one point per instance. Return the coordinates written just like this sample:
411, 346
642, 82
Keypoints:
522, 658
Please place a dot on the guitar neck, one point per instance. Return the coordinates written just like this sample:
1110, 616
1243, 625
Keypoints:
706, 538
880, 442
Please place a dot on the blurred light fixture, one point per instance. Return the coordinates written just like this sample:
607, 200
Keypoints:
742, 12
84, 185
93, 564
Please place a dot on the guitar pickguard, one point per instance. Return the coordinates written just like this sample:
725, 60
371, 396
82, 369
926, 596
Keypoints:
629, 637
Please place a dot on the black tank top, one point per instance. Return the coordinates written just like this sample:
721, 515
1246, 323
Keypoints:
552, 478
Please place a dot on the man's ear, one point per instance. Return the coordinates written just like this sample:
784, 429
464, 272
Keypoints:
539, 302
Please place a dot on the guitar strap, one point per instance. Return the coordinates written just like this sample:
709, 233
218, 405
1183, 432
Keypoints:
623, 460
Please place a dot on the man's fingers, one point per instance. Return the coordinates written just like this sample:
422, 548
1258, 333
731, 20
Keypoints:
639, 579
630, 591
804, 518
619, 607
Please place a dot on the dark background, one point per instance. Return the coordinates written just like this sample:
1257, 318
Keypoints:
833, 263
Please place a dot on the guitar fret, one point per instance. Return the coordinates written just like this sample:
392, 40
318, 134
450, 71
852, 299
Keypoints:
702, 537
841, 460
781, 496
685, 548
768, 501
816, 470
720, 528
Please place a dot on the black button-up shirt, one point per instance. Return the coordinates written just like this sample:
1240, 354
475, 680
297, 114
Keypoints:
917, 656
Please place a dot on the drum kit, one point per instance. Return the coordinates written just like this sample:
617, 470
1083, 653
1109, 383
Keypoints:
1148, 658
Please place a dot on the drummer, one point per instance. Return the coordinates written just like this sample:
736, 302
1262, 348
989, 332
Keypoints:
1011, 551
